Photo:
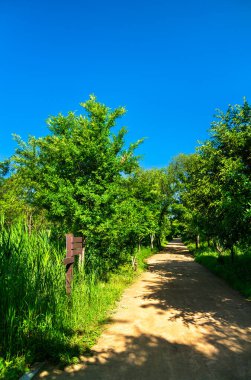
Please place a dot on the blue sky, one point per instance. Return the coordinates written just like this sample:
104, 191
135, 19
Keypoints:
171, 64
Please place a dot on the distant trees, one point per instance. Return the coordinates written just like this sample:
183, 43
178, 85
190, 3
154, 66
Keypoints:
150, 189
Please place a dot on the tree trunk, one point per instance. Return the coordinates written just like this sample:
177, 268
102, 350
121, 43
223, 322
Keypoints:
152, 240
134, 263
197, 241
158, 242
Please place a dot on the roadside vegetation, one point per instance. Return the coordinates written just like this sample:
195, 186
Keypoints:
237, 275
79, 178
41, 322
83, 178
211, 206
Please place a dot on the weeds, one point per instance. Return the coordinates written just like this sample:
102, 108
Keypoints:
237, 274
38, 320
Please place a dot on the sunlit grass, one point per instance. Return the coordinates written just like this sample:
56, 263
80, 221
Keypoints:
237, 274
38, 321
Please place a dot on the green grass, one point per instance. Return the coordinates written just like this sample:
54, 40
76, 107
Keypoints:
236, 274
37, 320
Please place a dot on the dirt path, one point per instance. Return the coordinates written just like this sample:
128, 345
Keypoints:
177, 322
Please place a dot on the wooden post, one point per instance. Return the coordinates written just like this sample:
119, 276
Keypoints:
74, 246
81, 261
69, 262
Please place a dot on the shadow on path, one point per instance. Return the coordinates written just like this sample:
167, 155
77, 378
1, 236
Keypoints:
149, 357
182, 323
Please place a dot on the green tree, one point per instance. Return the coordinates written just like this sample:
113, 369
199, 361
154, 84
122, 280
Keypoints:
150, 189
76, 173
227, 158
214, 185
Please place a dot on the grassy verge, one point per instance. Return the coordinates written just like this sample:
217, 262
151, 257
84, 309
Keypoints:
236, 274
37, 320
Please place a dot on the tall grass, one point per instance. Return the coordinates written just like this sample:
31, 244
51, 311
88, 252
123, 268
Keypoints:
33, 306
37, 319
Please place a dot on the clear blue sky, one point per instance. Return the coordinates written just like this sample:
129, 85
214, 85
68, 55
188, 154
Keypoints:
170, 63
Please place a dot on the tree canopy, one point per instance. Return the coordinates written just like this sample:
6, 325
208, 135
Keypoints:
82, 178
90, 183
214, 184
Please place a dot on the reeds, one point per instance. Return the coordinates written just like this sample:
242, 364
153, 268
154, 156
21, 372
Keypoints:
37, 319
33, 304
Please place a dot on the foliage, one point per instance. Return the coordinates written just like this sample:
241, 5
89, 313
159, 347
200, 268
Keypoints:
238, 275
83, 180
150, 190
77, 175
74, 172
11, 203
33, 306
37, 320
79, 178
213, 186
227, 158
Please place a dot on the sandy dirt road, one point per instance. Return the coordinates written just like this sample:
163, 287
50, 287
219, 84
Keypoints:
177, 322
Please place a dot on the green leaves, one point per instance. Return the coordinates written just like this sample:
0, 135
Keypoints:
215, 184
79, 174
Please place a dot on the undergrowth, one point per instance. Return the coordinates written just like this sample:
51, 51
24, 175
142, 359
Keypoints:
237, 274
37, 320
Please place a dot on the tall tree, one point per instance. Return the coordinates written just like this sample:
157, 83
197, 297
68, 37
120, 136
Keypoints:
214, 185
227, 157
76, 172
